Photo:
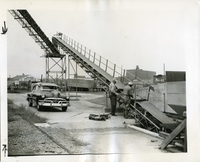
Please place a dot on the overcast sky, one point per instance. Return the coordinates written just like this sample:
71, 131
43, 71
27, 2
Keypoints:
128, 33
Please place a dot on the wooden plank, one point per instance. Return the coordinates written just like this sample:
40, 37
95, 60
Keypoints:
185, 140
173, 134
174, 150
163, 134
155, 112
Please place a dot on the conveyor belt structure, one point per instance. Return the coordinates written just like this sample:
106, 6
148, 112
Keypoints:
33, 29
94, 70
164, 119
87, 63
149, 116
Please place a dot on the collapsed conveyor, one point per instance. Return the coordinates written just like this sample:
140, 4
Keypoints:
164, 119
149, 116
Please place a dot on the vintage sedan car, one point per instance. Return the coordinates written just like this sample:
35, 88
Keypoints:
47, 95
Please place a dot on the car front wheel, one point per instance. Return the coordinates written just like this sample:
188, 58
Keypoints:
64, 108
30, 103
38, 107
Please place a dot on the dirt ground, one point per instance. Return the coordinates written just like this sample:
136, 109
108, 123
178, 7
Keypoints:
56, 133
24, 138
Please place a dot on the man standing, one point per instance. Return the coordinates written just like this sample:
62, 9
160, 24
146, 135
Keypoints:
113, 97
128, 93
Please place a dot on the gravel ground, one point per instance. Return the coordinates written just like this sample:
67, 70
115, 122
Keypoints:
24, 138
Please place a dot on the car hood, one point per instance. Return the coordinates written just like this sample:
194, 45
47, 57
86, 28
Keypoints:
55, 98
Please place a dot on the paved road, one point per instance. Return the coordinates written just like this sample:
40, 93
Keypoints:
110, 136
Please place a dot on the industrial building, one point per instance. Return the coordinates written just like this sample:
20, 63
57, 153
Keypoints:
20, 82
144, 75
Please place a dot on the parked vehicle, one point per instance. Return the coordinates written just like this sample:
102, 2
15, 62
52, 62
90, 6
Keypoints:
46, 95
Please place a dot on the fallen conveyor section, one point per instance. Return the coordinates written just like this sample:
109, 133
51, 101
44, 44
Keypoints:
164, 119
148, 116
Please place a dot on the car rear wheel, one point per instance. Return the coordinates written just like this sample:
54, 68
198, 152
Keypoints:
64, 108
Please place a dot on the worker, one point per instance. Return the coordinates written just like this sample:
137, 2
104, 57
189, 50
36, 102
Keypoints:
113, 96
128, 94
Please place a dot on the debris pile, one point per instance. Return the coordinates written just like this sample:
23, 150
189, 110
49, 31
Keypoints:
101, 117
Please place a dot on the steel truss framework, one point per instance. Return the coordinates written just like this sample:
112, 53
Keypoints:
141, 118
75, 74
52, 72
74, 58
83, 64
54, 60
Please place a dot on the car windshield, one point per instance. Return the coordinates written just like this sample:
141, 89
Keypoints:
49, 87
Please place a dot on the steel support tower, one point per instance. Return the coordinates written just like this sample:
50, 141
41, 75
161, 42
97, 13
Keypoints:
55, 61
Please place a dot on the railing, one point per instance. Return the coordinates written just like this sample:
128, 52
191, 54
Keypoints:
117, 72
98, 60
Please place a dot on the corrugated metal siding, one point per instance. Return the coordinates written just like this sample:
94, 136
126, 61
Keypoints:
174, 76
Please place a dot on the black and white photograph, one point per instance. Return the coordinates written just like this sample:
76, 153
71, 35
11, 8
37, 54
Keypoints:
97, 80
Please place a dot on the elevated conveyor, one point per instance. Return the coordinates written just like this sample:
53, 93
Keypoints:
29, 24
94, 70
54, 60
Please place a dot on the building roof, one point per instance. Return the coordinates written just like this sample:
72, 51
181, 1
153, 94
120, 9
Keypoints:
18, 77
